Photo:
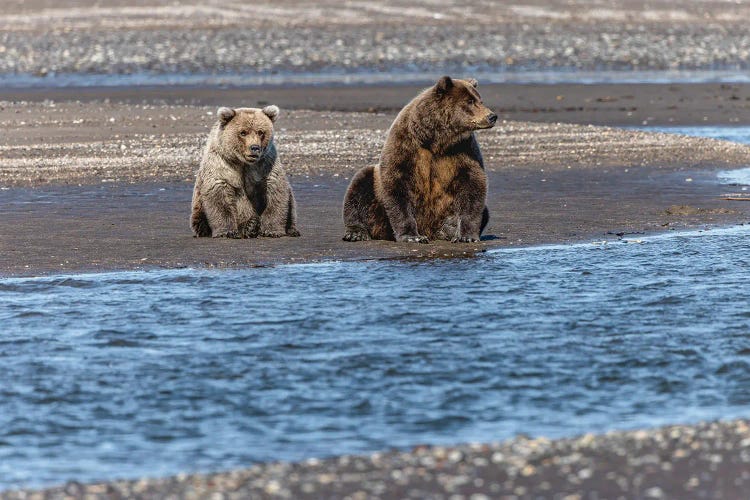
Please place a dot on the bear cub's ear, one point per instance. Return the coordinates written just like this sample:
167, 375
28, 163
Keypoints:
271, 111
473, 82
225, 115
444, 85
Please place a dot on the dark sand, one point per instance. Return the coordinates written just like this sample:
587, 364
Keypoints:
634, 104
57, 229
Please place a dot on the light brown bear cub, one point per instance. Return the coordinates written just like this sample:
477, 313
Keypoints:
241, 189
430, 182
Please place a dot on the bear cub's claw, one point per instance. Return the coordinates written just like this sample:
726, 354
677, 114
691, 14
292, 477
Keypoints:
415, 239
271, 234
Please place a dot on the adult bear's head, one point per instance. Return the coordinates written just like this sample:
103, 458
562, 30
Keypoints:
459, 104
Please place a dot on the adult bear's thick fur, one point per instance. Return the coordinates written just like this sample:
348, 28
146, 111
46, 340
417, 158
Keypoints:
430, 182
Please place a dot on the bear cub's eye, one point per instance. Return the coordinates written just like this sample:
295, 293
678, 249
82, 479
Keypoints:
243, 133
472, 102
261, 135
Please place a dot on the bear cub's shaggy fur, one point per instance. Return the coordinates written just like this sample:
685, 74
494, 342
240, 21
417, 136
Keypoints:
430, 182
241, 189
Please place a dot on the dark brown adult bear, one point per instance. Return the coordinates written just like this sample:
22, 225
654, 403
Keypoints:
430, 182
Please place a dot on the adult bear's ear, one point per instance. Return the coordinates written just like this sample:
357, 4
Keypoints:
225, 115
473, 82
444, 85
272, 112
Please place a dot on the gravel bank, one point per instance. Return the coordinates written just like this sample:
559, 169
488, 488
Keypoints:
708, 460
74, 143
148, 38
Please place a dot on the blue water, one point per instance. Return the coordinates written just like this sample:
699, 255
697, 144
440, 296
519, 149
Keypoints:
369, 77
151, 373
128, 374
739, 133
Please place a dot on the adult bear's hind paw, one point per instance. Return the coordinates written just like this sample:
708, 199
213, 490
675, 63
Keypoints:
356, 236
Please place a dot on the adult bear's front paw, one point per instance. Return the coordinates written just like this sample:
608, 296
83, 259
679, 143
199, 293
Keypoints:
293, 232
356, 236
465, 239
414, 239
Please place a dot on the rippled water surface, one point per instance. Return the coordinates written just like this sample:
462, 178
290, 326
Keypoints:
150, 373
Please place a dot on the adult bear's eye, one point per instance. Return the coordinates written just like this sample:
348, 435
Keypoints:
261, 135
471, 102
243, 133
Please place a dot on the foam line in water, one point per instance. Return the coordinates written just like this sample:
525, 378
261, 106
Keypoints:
158, 273
336, 264
688, 233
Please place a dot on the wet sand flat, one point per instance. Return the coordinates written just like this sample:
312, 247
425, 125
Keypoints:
60, 229
96, 186
619, 104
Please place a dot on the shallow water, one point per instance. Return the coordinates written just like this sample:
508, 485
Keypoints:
366, 77
732, 133
151, 373
737, 177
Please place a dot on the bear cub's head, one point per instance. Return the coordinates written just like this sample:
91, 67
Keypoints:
246, 133
464, 103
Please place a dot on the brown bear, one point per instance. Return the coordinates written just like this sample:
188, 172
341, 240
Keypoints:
430, 182
241, 189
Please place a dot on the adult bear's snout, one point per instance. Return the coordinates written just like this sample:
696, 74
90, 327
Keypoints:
492, 119
255, 149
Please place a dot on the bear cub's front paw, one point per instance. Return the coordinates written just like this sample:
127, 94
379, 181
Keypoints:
249, 231
228, 234
293, 232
